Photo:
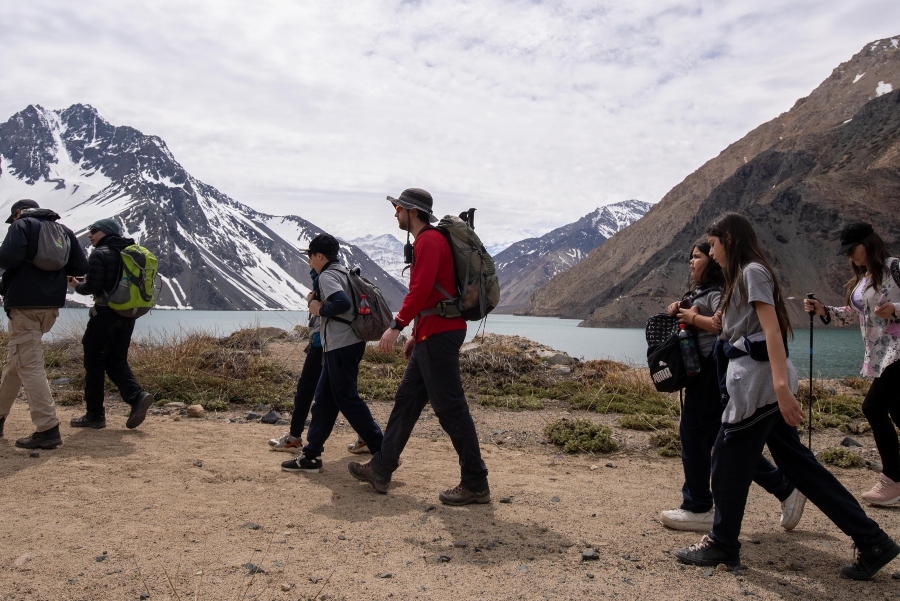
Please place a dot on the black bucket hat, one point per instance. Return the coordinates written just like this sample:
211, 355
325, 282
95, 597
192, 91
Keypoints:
415, 198
25, 203
323, 243
854, 234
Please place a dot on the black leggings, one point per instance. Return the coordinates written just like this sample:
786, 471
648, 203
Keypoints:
882, 405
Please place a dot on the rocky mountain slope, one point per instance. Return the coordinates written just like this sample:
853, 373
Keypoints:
387, 252
214, 252
834, 158
529, 264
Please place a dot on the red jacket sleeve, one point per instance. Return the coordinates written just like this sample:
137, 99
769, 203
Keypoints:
422, 276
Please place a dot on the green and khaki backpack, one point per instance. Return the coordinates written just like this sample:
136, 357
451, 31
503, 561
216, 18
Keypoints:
133, 296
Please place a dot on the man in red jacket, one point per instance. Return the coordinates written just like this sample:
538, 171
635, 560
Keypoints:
433, 373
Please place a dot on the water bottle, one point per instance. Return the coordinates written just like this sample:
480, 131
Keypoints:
364, 308
688, 351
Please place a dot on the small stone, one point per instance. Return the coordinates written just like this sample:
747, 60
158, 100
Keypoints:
611, 465
875, 466
252, 568
145, 596
100, 558
554, 499
589, 575
196, 411
460, 544
34, 454
198, 463
271, 417
594, 468
261, 407
285, 587
252, 416
793, 566
23, 559
440, 559
708, 573
61, 381
341, 537
523, 568
589, 555
386, 575
175, 405
506, 500
896, 575
176, 418
252, 526
721, 568
850, 442
282, 422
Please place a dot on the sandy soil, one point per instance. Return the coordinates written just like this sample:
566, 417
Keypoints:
178, 509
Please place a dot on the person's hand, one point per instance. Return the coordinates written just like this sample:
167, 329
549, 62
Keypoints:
408, 347
717, 320
885, 310
314, 306
790, 409
673, 308
811, 305
72, 281
311, 295
387, 340
687, 315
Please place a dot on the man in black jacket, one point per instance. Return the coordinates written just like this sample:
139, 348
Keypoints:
108, 334
32, 298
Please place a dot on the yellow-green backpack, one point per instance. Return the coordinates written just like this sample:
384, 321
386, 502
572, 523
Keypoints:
133, 296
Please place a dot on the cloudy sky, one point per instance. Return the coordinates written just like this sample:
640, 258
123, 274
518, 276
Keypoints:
534, 112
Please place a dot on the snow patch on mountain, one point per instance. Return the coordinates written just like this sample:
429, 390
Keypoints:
387, 252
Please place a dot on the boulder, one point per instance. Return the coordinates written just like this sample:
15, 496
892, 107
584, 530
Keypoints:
196, 411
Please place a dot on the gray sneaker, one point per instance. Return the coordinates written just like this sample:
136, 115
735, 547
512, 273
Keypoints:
364, 473
460, 495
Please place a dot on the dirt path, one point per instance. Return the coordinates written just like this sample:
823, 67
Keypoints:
178, 509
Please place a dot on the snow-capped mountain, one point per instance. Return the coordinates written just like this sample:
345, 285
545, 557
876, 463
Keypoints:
529, 264
387, 251
214, 252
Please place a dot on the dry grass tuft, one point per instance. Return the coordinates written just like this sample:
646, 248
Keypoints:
841, 457
581, 435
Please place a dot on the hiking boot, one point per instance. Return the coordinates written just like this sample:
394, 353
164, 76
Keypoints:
707, 553
460, 495
359, 447
885, 492
682, 519
286, 443
48, 439
139, 410
365, 473
792, 510
2, 422
870, 560
303, 463
89, 421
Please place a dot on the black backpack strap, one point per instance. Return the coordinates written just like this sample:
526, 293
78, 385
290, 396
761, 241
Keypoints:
33, 236
895, 271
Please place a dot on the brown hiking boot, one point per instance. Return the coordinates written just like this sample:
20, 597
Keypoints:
460, 495
365, 473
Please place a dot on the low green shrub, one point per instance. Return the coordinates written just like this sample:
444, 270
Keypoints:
645, 422
668, 441
841, 457
510, 402
580, 435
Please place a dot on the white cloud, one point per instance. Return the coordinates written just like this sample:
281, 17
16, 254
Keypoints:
535, 112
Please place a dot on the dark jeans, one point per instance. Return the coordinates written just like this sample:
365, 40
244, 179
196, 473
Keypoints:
306, 389
701, 418
433, 375
882, 410
106, 341
337, 392
736, 457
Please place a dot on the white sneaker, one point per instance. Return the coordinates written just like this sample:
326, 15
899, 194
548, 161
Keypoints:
359, 447
682, 519
286, 443
792, 510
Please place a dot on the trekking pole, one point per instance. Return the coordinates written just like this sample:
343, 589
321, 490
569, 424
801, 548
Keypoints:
812, 315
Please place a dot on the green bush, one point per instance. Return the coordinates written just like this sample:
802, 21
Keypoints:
668, 441
581, 435
645, 422
510, 402
841, 457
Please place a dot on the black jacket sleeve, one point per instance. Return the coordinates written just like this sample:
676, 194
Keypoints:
78, 263
94, 275
15, 245
336, 304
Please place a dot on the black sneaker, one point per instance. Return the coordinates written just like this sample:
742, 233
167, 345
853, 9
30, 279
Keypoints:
365, 473
89, 421
139, 410
870, 560
303, 463
48, 439
460, 495
707, 553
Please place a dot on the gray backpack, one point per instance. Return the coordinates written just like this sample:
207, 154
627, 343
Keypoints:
368, 326
51, 247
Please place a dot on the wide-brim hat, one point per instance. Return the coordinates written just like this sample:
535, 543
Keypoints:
854, 234
415, 198
25, 203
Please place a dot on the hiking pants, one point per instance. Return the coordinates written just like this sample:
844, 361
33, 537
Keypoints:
306, 389
701, 419
337, 392
25, 366
735, 459
882, 409
106, 342
433, 375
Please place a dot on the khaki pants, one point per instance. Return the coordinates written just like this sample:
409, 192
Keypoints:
25, 366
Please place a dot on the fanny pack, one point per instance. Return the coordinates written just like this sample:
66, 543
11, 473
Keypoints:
753, 346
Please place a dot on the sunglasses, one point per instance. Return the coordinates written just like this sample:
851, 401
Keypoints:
93, 230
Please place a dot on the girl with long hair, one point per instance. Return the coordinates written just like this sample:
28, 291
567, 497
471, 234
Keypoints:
701, 413
763, 411
873, 296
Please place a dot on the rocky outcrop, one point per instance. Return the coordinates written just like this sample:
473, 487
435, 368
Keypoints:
832, 159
